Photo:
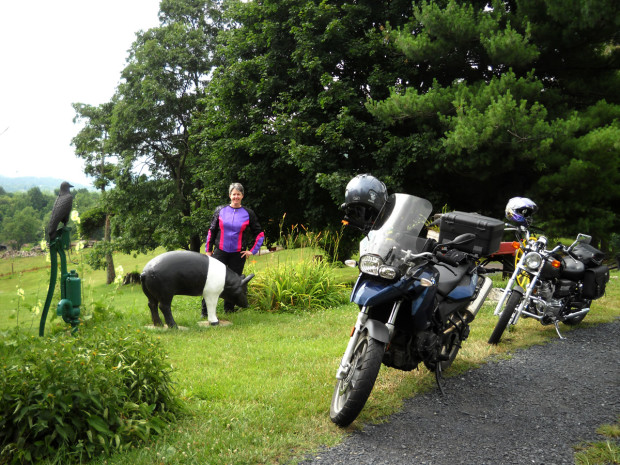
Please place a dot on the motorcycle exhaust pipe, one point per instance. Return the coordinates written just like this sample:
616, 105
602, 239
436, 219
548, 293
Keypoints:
579, 313
476, 304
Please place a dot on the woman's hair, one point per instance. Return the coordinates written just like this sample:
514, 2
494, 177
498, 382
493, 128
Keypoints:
235, 186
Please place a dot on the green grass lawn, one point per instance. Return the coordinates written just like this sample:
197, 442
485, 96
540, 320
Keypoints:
257, 391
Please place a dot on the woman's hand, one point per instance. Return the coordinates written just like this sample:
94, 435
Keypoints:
246, 254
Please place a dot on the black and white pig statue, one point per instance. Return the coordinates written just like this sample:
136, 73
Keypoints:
190, 273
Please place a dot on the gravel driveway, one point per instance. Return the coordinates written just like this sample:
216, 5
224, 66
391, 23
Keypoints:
531, 409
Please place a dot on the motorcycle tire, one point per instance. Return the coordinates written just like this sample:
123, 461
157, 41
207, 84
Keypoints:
511, 305
352, 392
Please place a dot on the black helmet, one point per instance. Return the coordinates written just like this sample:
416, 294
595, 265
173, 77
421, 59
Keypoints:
364, 197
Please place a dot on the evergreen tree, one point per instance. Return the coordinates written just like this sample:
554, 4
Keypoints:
521, 98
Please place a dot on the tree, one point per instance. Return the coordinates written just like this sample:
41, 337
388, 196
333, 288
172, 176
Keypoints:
36, 199
581, 191
93, 145
504, 91
167, 70
285, 112
24, 227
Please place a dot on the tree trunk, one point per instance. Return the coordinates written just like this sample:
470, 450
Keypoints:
108, 256
195, 243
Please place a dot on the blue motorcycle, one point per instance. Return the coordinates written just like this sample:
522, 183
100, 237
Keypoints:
417, 296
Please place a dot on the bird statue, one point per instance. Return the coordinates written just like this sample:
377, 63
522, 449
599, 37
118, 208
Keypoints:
61, 211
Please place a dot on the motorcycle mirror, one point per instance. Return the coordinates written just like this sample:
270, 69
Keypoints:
581, 239
351, 263
584, 238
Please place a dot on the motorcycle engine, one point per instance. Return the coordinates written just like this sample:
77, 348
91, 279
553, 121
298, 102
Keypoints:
426, 344
546, 290
400, 354
551, 306
564, 288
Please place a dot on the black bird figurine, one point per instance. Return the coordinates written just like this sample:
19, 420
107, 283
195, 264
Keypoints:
61, 210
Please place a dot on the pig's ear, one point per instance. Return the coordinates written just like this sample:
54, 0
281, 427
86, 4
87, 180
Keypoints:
246, 279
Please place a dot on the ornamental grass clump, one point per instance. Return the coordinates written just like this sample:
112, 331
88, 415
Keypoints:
297, 286
70, 398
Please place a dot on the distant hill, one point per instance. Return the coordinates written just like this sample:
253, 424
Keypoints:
22, 184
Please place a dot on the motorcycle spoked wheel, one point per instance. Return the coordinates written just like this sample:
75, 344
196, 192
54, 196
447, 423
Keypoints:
352, 392
448, 351
509, 308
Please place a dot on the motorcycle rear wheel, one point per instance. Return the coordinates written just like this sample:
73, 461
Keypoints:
352, 392
511, 305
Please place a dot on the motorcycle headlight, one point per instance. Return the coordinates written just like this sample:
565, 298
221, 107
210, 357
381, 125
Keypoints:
387, 272
532, 261
370, 264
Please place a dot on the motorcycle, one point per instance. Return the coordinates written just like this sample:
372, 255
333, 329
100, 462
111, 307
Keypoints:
417, 298
553, 286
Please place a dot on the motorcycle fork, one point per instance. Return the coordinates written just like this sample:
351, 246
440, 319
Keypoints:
507, 289
362, 318
526, 299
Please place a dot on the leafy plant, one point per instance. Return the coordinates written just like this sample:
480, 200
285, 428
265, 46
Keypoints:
304, 285
76, 397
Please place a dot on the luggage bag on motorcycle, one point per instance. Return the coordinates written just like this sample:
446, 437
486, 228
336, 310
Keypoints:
588, 255
488, 231
594, 282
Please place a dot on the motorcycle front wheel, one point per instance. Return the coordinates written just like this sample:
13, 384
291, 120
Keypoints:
352, 392
511, 305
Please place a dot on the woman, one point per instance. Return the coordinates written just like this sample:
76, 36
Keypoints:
233, 227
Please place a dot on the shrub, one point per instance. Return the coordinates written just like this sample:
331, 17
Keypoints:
75, 397
308, 284
92, 222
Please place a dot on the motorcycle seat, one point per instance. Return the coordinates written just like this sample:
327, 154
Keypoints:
449, 277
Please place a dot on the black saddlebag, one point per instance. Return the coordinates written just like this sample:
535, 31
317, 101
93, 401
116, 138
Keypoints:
488, 231
594, 281
588, 255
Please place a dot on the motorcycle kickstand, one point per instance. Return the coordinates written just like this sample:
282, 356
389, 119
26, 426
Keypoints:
557, 329
439, 378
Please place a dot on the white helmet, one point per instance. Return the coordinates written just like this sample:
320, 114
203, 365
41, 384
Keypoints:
521, 210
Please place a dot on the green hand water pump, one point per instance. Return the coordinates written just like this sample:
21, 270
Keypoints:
70, 284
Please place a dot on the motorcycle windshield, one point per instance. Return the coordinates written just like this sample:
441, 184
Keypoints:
397, 228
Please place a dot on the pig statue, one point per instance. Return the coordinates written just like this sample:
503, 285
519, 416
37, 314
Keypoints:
190, 273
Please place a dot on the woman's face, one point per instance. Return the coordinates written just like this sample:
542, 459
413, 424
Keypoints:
235, 198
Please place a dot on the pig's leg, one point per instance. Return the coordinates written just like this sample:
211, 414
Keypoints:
211, 300
164, 306
154, 313
216, 279
152, 302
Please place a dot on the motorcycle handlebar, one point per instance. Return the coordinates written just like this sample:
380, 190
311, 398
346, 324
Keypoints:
445, 259
410, 256
437, 255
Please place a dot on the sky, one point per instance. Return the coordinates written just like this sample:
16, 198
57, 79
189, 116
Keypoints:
54, 54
